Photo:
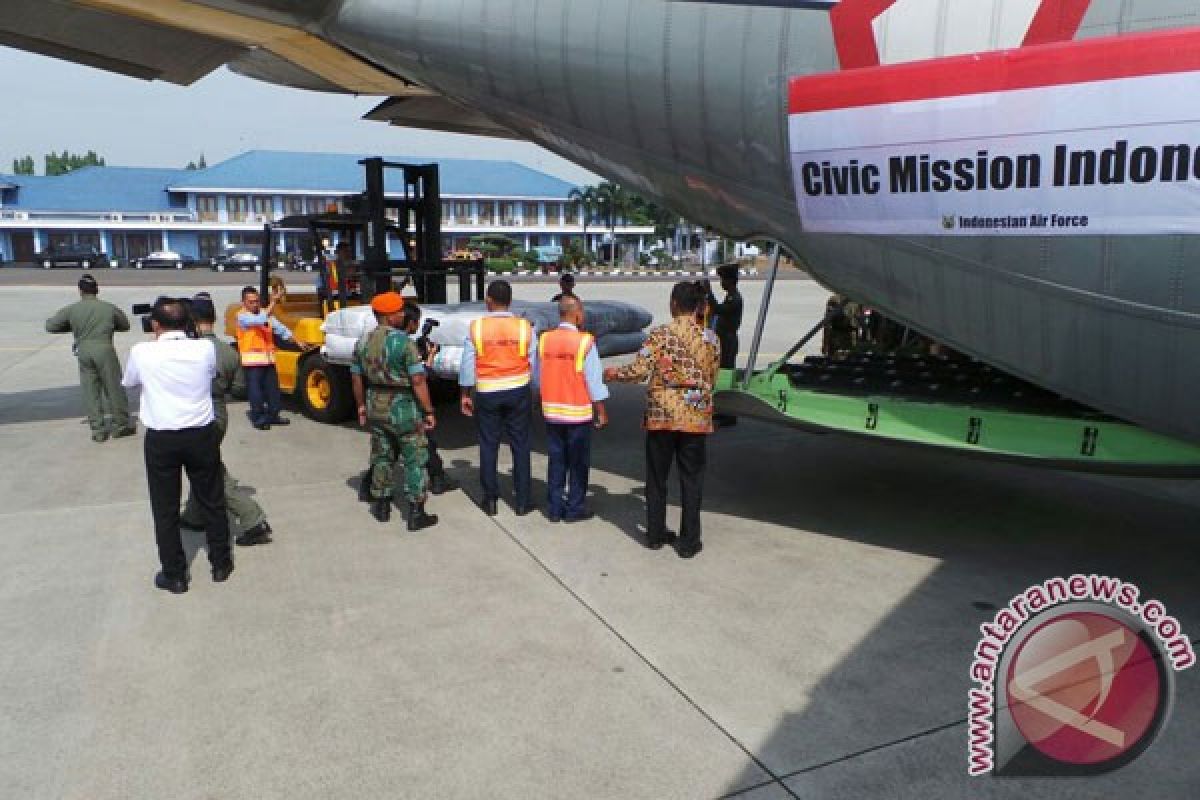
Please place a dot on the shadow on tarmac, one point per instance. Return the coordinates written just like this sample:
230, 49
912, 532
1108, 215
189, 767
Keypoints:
889, 719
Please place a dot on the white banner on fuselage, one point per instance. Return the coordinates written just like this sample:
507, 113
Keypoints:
1114, 156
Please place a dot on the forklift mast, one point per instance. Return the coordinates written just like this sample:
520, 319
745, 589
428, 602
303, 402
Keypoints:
417, 224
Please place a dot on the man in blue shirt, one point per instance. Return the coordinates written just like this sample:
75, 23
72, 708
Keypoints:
256, 332
494, 388
570, 380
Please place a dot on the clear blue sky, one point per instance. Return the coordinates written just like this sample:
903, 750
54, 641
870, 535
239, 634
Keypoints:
56, 105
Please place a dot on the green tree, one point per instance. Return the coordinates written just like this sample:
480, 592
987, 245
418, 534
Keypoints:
201, 164
585, 199
615, 203
23, 166
61, 164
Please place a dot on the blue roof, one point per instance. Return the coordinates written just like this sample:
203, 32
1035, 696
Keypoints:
96, 189
333, 173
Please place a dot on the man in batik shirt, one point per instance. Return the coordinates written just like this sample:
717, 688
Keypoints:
680, 360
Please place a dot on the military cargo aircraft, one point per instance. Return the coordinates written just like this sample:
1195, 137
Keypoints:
1019, 179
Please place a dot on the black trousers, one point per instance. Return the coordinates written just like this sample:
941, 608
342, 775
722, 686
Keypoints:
505, 414
729, 349
688, 450
434, 465
198, 452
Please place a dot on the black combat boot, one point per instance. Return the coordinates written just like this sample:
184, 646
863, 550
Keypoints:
440, 483
418, 519
364, 487
382, 509
259, 534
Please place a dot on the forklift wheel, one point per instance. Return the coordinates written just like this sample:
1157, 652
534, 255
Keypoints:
324, 390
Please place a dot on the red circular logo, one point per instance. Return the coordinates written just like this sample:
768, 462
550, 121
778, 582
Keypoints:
1084, 688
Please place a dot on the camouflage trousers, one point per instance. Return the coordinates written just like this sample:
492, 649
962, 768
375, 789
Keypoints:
390, 444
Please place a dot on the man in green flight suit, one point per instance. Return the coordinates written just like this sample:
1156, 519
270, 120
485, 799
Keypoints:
93, 321
393, 398
245, 514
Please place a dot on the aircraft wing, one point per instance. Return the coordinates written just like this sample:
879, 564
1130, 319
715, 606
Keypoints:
126, 45
181, 41
436, 113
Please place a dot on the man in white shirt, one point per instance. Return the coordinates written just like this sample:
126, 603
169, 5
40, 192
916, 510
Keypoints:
176, 410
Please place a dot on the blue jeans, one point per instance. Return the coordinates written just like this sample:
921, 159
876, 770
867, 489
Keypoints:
569, 447
504, 414
262, 387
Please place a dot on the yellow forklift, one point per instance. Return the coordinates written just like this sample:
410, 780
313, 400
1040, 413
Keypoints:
369, 222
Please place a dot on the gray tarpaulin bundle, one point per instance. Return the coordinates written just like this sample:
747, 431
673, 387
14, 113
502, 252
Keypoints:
616, 326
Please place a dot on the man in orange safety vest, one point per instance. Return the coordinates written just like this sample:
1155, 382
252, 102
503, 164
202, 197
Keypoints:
494, 383
569, 377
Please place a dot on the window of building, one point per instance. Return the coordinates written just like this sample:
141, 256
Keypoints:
531, 214
553, 213
238, 207
447, 213
487, 212
89, 240
508, 213
237, 239
293, 206
462, 212
263, 207
209, 245
206, 207
61, 239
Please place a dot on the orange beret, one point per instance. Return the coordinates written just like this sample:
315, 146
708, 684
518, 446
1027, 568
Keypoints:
387, 303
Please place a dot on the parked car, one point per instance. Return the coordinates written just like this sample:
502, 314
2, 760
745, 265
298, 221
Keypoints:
297, 263
83, 256
245, 260
163, 259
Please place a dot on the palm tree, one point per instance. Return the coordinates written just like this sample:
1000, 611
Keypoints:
615, 202
587, 200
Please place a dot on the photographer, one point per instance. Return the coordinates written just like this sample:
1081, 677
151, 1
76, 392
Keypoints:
243, 510
176, 374
439, 481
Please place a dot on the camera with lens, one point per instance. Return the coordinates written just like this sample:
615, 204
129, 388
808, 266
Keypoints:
423, 338
146, 312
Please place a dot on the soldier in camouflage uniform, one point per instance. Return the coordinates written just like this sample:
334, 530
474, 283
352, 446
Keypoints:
840, 324
93, 321
393, 399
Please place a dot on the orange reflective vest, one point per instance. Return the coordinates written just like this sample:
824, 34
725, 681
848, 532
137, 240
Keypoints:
256, 345
565, 398
501, 353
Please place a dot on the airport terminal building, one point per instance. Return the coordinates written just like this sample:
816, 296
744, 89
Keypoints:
128, 212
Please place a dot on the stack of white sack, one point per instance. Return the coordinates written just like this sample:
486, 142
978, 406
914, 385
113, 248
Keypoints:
616, 326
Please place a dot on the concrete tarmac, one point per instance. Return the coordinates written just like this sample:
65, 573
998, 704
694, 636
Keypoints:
819, 647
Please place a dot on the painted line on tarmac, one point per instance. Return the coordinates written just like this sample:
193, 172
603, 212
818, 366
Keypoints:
876, 748
649, 664
72, 509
